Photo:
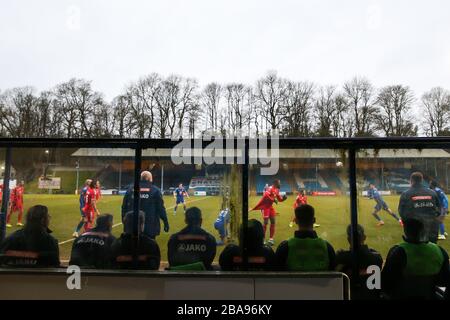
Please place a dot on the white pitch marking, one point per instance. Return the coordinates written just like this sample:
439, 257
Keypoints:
118, 224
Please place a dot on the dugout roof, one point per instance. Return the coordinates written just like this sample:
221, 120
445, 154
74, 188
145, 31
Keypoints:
283, 153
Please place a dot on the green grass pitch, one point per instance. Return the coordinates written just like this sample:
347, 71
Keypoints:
332, 213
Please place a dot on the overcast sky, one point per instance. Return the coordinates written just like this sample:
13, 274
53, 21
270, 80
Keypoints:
45, 42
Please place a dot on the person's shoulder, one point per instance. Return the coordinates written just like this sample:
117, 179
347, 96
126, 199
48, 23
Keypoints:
149, 243
49, 238
15, 235
267, 251
395, 250
146, 239
231, 249
175, 235
283, 245
444, 252
327, 243
374, 252
155, 189
343, 254
376, 255
209, 235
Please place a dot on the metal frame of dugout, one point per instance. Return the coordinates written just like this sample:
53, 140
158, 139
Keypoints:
350, 145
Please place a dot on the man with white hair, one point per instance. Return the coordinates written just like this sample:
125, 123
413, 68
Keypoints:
151, 203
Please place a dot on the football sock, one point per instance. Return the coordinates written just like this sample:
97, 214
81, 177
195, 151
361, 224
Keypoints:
395, 216
376, 216
19, 220
265, 228
441, 228
79, 226
272, 231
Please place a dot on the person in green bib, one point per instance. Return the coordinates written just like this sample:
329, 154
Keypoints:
305, 251
414, 268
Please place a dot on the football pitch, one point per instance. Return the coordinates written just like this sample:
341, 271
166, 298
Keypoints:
332, 213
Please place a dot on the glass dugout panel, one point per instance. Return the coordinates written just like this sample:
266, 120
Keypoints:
382, 176
211, 187
54, 177
321, 176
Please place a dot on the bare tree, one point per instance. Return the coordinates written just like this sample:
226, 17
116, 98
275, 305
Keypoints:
77, 102
270, 94
436, 103
18, 114
298, 103
394, 118
144, 91
325, 111
136, 108
47, 122
235, 96
342, 123
121, 112
359, 95
174, 97
210, 102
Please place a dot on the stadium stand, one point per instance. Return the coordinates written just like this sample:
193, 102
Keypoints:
311, 181
287, 184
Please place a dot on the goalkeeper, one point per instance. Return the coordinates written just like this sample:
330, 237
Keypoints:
270, 196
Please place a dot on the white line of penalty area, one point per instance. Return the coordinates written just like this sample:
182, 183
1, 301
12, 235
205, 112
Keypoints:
119, 224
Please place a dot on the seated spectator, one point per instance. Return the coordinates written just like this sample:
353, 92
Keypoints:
192, 245
93, 248
148, 254
305, 251
32, 246
260, 256
366, 257
415, 267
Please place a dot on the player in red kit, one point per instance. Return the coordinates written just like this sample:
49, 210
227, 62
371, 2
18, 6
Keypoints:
98, 195
98, 191
270, 196
90, 208
16, 204
300, 200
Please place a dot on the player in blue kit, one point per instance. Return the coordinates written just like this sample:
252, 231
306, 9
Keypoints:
443, 202
374, 194
82, 203
221, 225
179, 195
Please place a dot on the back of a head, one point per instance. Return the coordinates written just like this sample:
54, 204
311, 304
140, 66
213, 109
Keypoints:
414, 230
255, 234
146, 175
304, 215
416, 178
92, 184
360, 233
128, 222
36, 219
104, 223
193, 216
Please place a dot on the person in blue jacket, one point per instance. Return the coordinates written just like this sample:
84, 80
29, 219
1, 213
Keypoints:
151, 203
443, 202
